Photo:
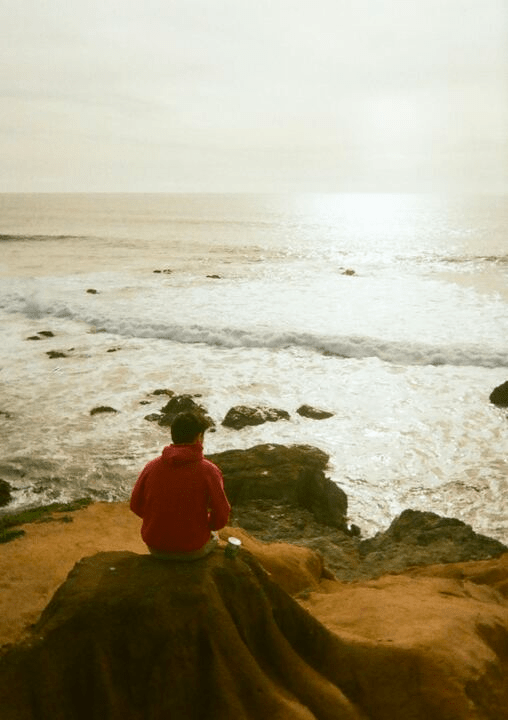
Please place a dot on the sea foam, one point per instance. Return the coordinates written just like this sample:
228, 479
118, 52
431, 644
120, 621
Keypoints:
357, 346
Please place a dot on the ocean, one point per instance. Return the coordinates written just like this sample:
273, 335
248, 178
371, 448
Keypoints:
390, 311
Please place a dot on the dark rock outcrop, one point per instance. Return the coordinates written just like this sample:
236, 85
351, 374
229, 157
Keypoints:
281, 494
499, 396
183, 403
314, 413
128, 636
292, 476
5, 493
425, 538
153, 417
242, 416
54, 354
102, 409
92, 291
413, 539
41, 334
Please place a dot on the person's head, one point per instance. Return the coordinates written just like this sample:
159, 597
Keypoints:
187, 428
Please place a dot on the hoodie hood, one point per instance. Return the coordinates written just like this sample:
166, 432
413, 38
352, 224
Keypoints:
183, 454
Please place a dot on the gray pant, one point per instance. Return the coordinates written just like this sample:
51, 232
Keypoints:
188, 556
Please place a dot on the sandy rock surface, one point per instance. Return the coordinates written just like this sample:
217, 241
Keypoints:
33, 567
431, 642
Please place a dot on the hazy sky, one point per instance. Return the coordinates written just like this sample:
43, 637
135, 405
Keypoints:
254, 95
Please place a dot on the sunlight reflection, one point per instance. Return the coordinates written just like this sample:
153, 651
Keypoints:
372, 214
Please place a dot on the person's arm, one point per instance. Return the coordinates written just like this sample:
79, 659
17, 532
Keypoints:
137, 495
219, 504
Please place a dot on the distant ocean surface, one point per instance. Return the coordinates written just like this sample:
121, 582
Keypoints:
391, 311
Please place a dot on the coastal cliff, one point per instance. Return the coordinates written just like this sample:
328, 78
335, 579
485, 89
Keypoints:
271, 633
309, 621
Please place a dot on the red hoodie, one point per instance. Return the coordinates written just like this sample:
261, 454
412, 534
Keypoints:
180, 496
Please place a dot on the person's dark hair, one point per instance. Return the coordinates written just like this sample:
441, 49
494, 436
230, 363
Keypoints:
186, 427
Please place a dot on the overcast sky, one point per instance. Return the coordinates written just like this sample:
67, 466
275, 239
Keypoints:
253, 95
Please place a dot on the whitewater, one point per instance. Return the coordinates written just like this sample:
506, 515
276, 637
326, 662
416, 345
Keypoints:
390, 311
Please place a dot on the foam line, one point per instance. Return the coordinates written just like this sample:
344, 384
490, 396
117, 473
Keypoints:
396, 352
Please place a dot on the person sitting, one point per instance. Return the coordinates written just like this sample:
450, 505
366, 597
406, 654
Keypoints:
180, 495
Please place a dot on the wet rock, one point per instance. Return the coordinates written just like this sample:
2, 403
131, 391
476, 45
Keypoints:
41, 334
283, 522
437, 540
311, 412
499, 396
153, 417
293, 476
182, 403
425, 538
281, 494
5, 493
242, 416
102, 409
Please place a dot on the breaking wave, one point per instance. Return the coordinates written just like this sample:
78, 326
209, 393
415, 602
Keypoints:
356, 347
342, 346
